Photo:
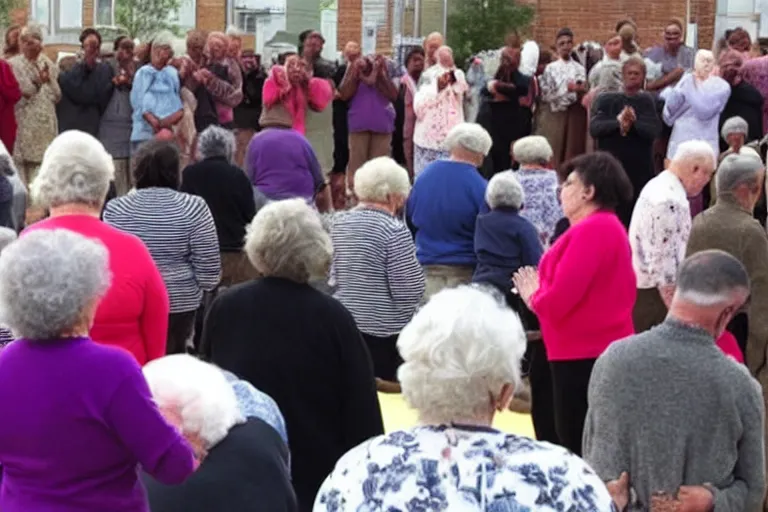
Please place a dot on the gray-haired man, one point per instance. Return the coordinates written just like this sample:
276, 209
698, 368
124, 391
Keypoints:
675, 413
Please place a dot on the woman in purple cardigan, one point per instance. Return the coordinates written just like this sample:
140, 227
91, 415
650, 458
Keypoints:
78, 418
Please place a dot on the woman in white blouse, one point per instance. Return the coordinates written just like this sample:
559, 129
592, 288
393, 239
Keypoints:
462, 355
439, 106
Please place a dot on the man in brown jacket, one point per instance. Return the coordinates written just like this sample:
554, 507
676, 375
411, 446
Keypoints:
730, 227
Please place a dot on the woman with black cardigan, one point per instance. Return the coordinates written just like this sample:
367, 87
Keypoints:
297, 344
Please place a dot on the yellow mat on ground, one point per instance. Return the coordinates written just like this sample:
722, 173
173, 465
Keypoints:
398, 416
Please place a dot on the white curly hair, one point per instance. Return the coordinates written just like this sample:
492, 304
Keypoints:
287, 239
76, 169
463, 346
198, 391
48, 278
379, 178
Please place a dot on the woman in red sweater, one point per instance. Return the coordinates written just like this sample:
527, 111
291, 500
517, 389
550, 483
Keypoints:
585, 289
10, 94
73, 183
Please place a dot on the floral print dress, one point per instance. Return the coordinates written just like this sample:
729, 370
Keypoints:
461, 469
36, 115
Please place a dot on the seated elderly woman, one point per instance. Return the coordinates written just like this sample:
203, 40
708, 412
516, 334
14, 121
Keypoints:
227, 192
540, 185
297, 344
505, 241
244, 464
585, 288
93, 396
184, 244
73, 183
462, 355
443, 206
375, 270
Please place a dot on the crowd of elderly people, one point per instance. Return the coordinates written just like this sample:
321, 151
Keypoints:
212, 341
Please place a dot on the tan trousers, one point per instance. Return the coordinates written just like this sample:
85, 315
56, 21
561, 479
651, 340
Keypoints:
123, 175
243, 137
565, 131
440, 277
364, 146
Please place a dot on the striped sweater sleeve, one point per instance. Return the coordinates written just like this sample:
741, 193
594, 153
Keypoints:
406, 277
204, 242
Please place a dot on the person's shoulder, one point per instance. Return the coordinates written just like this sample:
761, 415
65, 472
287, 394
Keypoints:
119, 361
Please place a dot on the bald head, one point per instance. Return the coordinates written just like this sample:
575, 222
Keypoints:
433, 41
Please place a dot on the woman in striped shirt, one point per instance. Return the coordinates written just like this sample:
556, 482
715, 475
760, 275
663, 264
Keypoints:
375, 270
178, 230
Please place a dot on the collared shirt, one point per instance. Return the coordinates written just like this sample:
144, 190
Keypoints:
554, 83
659, 231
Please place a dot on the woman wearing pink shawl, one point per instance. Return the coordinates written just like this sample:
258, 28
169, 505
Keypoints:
692, 108
290, 88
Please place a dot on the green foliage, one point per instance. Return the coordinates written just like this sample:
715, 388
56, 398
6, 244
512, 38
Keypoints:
6, 8
477, 25
144, 18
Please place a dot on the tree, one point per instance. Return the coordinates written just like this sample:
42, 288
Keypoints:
6, 11
144, 18
477, 25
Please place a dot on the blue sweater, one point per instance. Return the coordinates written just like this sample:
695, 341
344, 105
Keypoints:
504, 242
444, 203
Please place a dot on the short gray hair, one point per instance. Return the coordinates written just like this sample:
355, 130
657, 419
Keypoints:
76, 169
48, 278
695, 150
736, 170
709, 278
461, 346
164, 39
199, 392
287, 239
504, 189
379, 178
34, 31
216, 141
533, 149
734, 124
470, 136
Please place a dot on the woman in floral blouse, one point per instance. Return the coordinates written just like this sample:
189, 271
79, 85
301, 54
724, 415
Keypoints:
439, 106
455, 460
38, 78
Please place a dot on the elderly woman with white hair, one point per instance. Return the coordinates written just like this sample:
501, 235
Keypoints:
462, 355
38, 78
156, 94
443, 205
439, 107
73, 183
93, 396
375, 270
227, 192
692, 108
179, 232
540, 185
245, 463
297, 344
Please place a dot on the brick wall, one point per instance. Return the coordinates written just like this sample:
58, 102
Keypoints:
596, 19
350, 22
88, 15
211, 15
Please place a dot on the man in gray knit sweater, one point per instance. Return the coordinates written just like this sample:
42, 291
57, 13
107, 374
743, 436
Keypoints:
676, 414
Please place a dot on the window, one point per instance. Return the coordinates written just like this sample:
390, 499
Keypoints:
104, 12
186, 16
246, 22
62, 19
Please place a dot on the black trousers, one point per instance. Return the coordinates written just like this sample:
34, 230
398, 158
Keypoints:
542, 399
386, 358
181, 326
570, 382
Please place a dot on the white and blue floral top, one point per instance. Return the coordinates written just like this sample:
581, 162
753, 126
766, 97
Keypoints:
460, 469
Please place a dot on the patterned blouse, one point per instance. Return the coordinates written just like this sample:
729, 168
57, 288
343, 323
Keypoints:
438, 111
554, 83
36, 115
659, 231
256, 404
541, 206
461, 469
